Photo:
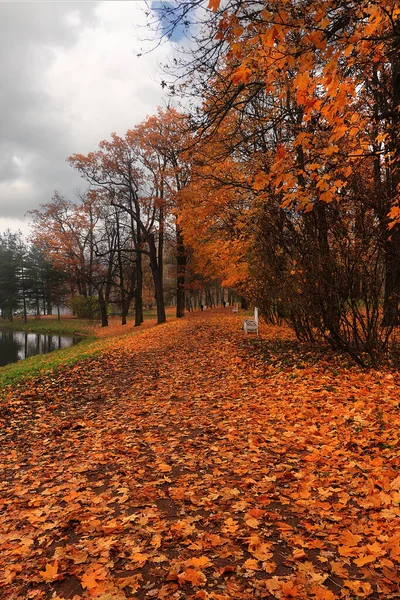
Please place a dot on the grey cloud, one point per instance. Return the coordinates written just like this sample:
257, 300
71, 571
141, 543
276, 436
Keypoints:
33, 137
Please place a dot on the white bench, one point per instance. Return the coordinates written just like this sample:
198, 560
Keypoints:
235, 309
251, 325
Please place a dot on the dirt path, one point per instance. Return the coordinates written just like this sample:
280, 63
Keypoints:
182, 465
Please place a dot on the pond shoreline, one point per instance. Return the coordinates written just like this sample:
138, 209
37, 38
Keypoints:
17, 345
49, 325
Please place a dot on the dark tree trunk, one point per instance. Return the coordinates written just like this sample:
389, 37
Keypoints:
181, 258
121, 273
138, 291
103, 309
392, 284
25, 311
158, 280
392, 279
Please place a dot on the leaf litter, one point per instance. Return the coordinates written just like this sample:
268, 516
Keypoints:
187, 463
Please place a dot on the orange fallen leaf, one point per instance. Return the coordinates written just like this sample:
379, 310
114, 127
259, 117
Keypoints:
192, 576
360, 588
364, 560
164, 467
200, 562
298, 554
50, 572
88, 581
348, 551
251, 564
349, 539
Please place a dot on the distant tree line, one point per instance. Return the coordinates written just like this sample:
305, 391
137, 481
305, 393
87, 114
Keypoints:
29, 282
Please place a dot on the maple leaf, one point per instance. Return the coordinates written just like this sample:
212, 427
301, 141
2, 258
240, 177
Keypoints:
320, 593
164, 468
252, 522
364, 560
251, 564
214, 5
199, 562
50, 573
88, 581
298, 554
192, 576
360, 588
350, 539
139, 557
348, 551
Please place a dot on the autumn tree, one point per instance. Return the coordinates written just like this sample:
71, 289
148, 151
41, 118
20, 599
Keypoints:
311, 89
75, 240
62, 231
166, 147
133, 189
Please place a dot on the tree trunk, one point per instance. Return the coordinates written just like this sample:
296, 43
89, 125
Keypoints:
138, 290
181, 258
392, 285
103, 309
124, 310
25, 311
158, 280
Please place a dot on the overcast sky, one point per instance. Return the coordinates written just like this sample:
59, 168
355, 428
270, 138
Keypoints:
69, 77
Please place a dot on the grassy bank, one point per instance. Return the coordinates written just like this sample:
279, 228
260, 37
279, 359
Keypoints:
35, 366
69, 325
95, 340
50, 324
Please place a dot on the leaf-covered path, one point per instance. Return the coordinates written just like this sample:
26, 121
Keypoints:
184, 463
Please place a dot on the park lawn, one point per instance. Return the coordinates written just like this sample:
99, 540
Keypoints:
192, 461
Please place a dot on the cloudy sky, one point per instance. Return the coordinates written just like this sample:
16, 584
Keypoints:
69, 76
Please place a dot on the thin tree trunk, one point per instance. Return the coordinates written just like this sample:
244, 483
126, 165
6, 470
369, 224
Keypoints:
158, 280
121, 273
103, 309
181, 258
392, 284
138, 290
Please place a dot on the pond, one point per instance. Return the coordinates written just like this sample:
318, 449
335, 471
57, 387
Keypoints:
17, 345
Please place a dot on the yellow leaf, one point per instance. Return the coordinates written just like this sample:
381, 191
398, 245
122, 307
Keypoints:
139, 557
251, 564
364, 560
199, 562
350, 539
50, 573
164, 467
88, 581
192, 576
360, 588
298, 553
252, 522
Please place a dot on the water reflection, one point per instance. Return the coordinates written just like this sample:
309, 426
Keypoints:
17, 345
